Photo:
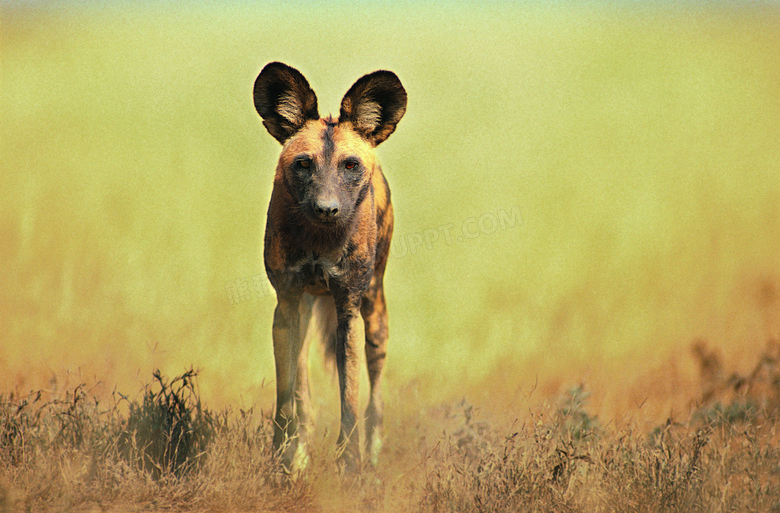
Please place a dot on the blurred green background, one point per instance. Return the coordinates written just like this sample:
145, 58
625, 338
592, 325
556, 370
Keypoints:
581, 189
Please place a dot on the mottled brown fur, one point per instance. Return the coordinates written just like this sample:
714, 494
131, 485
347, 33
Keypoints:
328, 234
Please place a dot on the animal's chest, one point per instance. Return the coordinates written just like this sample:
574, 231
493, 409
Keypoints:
316, 274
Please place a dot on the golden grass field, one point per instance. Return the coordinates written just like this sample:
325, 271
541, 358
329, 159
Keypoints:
584, 286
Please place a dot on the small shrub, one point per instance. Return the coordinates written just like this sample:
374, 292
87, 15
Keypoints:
736, 412
168, 433
18, 424
573, 417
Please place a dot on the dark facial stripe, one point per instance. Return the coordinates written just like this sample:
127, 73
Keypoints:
362, 194
380, 216
328, 146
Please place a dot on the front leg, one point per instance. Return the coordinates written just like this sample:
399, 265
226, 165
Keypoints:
374, 312
288, 345
347, 360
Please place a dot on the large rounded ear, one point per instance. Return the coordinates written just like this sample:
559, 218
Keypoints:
284, 100
374, 104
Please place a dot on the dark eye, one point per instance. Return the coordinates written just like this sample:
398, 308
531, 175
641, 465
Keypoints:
305, 163
351, 164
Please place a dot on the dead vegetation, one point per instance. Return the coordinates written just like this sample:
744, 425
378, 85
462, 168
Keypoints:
544, 465
167, 451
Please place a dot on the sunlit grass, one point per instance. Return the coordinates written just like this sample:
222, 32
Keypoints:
73, 451
639, 146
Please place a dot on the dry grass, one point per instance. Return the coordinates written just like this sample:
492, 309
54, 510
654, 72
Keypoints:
165, 452
170, 452
638, 145
544, 466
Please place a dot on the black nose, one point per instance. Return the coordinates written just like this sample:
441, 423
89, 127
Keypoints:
327, 209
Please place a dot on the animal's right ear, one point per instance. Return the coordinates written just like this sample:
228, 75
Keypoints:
284, 100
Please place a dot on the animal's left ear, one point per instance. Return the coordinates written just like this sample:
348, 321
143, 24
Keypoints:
374, 104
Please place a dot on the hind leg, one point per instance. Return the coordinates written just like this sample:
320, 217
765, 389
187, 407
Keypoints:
374, 312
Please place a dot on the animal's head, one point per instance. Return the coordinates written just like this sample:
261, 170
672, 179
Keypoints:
327, 165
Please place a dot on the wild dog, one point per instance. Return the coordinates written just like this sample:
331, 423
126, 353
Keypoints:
327, 240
